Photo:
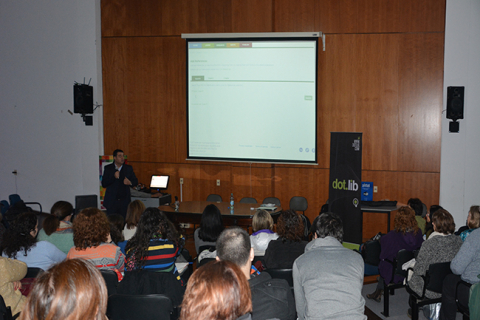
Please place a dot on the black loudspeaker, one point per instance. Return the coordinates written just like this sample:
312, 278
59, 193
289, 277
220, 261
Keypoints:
82, 99
455, 97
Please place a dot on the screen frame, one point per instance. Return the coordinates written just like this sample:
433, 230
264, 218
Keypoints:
301, 36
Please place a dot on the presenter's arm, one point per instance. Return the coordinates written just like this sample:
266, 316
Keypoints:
131, 176
108, 177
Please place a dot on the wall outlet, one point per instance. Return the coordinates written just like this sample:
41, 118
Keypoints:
375, 189
218, 182
181, 180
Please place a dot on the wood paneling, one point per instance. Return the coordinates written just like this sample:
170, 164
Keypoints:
294, 16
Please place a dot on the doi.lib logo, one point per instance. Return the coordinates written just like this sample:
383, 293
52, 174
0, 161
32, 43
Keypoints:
342, 185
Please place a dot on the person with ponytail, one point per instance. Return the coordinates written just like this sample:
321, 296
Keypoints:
57, 227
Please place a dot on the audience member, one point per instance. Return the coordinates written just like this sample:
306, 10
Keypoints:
91, 236
328, 278
11, 272
442, 246
271, 298
156, 244
473, 221
406, 235
116, 226
211, 225
73, 289
217, 291
465, 266
19, 243
417, 206
281, 253
262, 225
134, 211
57, 227
428, 226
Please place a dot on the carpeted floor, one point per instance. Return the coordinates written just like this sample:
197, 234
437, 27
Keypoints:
398, 304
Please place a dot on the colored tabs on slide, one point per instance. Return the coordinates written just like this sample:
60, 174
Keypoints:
198, 78
208, 45
233, 45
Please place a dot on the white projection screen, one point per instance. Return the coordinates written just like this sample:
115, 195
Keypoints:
252, 99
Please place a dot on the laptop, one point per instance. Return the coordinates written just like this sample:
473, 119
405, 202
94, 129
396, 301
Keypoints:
159, 182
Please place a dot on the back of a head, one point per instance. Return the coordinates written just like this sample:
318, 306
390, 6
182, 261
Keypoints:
134, 211
443, 221
18, 236
474, 217
417, 206
290, 226
234, 245
262, 220
90, 228
71, 290
116, 226
328, 224
218, 290
211, 224
59, 211
405, 221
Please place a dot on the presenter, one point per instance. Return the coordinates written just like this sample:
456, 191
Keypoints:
118, 177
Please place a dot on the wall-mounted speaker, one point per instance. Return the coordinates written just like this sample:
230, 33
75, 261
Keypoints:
82, 99
455, 97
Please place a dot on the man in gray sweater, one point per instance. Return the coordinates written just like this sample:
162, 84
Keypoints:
328, 278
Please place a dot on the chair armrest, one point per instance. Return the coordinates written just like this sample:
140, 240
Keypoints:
35, 203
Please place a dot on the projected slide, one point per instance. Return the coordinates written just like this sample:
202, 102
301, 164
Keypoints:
252, 100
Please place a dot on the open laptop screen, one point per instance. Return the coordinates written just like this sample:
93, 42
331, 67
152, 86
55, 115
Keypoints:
159, 182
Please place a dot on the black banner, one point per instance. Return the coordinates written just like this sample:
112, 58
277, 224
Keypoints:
345, 182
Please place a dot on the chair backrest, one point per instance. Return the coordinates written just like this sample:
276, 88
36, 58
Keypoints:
139, 307
435, 275
371, 252
85, 201
298, 203
273, 200
285, 274
214, 198
111, 280
14, 198
33, 272
402, 257
248, 200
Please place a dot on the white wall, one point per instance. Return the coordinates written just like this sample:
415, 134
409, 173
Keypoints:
46, 45
460, 166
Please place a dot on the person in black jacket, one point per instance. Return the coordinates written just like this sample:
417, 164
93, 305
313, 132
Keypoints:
118, 177
271, 298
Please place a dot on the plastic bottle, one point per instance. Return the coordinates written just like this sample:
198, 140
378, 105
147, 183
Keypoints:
231, 202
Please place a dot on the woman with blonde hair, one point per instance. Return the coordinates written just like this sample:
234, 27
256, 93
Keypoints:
73, 289
406, 235
134, 211
473, 221
218, 290
262, 225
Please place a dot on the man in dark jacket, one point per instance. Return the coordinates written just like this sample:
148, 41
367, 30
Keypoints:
118, 177
271, 298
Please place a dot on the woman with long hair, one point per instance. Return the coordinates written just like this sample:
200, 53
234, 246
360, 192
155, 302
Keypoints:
73, 289
19, 243
473, 221
218, 290
155, 245
134, 211
91, 235
406, 235
57, 227
211, 225
262, 225
281, 253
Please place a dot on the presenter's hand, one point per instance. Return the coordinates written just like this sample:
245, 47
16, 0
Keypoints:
117, 174
127, 182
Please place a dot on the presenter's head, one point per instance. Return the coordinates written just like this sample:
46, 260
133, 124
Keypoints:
118, 157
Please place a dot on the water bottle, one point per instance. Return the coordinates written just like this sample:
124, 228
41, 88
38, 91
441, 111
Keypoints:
231, 202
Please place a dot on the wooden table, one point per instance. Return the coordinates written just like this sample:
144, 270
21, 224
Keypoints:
191, 212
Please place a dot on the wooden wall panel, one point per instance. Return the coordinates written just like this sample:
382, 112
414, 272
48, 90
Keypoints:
294, 16
252, 182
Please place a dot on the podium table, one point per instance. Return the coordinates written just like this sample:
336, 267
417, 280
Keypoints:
191, 212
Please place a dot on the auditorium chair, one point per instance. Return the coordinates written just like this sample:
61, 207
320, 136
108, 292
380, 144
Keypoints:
273, 200
214, 198
111, 280
140, 307
285, 274
248, 200
301, 204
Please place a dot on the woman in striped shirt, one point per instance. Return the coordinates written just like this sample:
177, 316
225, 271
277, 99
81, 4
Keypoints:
155, 245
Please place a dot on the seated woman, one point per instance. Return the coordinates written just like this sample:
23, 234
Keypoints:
134, 211
73, 289
211, 225
218, 290
19, 243
442, 246
406, 235
473, 221
429, 227
57, 228
11, 272
281, 253
262, 225
91, 235
156, 244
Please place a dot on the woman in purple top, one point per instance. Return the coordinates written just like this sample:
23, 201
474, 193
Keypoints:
262, 225
407, 235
